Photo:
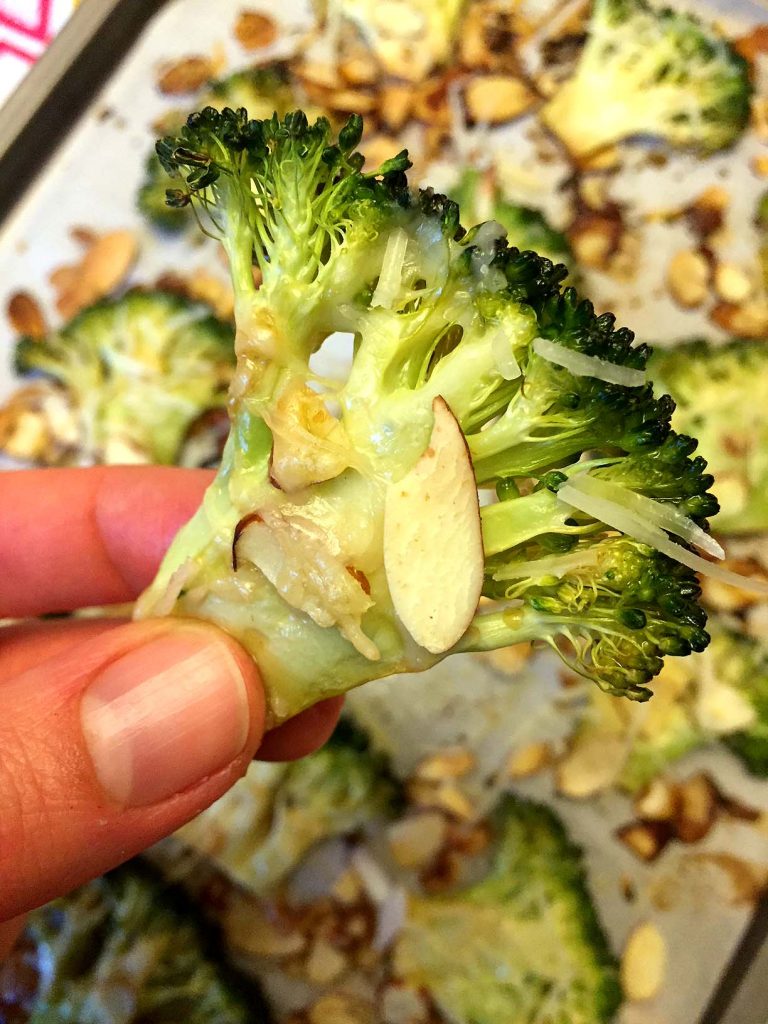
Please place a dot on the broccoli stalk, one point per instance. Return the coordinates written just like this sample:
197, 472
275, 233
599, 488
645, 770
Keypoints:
286, 551
651, 72
522, 944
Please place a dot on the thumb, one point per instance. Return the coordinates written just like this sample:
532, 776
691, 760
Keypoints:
111, 745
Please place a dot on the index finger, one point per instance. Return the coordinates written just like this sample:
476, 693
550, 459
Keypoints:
70, 538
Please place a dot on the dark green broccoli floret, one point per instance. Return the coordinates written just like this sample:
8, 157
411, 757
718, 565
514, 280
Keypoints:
551, 399
260, 830
721, 392
647, 71
262, 90
136, 372
125, 950
523, 944
480, 198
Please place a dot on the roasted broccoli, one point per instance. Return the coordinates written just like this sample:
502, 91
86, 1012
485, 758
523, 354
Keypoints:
647, 71
260, 830
480, 198
524, 943
122, 950
262, 90
342, 539
134, 374
721, 392
718, 695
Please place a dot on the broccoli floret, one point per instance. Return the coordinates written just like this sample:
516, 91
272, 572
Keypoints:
646, 71
524, 938
262, 90
136, 371
260, 830
287, 550
721, 393
480, 198
125, 949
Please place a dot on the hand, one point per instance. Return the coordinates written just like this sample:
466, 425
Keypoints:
112, 733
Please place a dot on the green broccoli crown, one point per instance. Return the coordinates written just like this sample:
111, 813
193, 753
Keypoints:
260, 830
137, 370
655, 72
720, 393
526, 934
125, 949
262, 90
549, 399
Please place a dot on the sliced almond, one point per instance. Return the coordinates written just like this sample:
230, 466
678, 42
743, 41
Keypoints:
340, 1008
395, 103
494, 99
591, 765
644, 962
732, 283
433, 546
760, 165
417, 839
325, 964
25, 315
183, 76
447, 764
749, 320
254, 30
529, 760
658, 801
688, 277
103, 268
359, 69
403, 1005
697, 808
352, 101
645, 839
253, 930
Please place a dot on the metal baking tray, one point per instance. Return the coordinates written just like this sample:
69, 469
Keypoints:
73, 139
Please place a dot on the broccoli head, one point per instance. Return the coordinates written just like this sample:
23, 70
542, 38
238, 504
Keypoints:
261, 829
124, 949
480, 198
524, 938
317, 545
646, 71
721, 392
262, 90
136, 372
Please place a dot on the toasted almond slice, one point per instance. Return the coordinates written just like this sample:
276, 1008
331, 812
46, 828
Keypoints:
644, 963
732, 283
433, 546
646, 839
493, 99
254, 30
26, 316
340, 1008
447, 764
186, 75
658, 801
688, 278
697, 809
415, 840
395, 103
591, 765
529, 760
325, 964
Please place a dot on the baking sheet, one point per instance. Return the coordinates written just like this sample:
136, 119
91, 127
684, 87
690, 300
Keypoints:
92, 179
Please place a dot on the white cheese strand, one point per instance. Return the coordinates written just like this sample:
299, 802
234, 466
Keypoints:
391, 274
581, 365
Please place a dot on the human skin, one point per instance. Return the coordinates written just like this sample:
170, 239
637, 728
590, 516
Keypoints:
112, 733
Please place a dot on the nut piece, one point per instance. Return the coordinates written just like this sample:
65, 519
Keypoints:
187, 75
417, 839
732, 283
659, 801
339, 1008
254, 30
25, 315
395, 102
529, 760
688, 278
646, 839
493, 99
644, 963
103, 267
433, 546
697, 809
403, 1005
447, 764
591, 765
252, 930
749, 320
324, 963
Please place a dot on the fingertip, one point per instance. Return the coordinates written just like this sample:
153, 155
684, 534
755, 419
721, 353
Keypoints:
302, 735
